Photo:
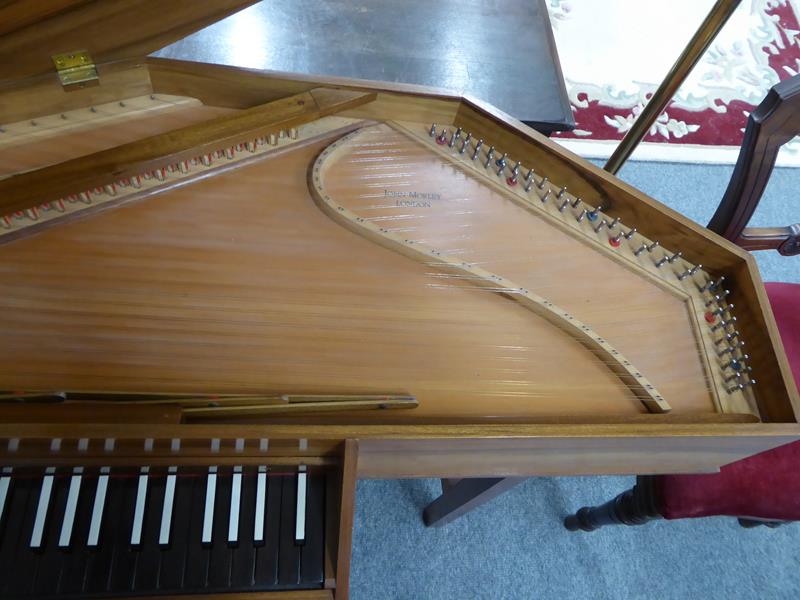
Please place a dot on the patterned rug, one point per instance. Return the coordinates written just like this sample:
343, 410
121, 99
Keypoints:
614, 54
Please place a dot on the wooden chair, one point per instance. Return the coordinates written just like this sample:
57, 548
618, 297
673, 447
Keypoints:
763, 489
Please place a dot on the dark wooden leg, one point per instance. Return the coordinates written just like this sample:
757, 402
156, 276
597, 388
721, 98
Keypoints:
636, 506
750, 523
459, 496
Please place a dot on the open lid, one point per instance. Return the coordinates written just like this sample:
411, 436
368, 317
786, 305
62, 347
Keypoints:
32, 32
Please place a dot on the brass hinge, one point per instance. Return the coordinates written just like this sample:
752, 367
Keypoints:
75, 67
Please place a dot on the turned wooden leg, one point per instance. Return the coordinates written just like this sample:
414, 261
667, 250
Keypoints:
636, 506
459, 496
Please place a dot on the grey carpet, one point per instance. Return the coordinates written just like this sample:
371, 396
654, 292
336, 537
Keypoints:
515, 547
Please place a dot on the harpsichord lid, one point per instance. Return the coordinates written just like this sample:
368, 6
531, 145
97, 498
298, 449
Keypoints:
31, 33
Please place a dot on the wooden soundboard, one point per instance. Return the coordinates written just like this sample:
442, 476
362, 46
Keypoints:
177, 228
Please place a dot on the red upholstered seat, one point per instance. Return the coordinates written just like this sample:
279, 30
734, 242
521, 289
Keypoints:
764, 486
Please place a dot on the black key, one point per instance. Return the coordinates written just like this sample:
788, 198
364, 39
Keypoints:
197, 554
76, 557
242, 570
123, 567
14, 535
219, 566
5, 484
173, 555
46, 574
289, 553
101, 558
149, 561
266, 572
312, 555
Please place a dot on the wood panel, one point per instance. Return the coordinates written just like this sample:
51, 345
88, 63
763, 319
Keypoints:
347, 509
645, 452
473, 450
32, 32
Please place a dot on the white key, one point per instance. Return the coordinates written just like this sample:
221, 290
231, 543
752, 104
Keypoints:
166, 511
41, 510
300, 515
5, 481
236, 496
97, 508
261, 505
138, 511
208, 513
72, 506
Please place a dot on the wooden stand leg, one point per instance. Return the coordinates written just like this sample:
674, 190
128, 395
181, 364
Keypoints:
636, 506
459, 496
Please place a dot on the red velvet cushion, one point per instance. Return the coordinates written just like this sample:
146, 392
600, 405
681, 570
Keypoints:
766, 485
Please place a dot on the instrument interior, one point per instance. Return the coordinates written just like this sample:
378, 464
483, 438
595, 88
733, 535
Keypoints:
236, 282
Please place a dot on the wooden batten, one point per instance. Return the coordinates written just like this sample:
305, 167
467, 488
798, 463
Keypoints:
50, 183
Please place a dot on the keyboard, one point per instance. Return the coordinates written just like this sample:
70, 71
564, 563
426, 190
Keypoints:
83, 532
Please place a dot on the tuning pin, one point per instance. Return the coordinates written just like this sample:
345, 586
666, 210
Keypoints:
592, 214
564, 205
600, 225
576, 202
741, 386
580, 216
432, 132
455, 137
529, 182
738, 374
542, 183
561, 192
640, 249
731, 349
546, 196
477, 149
442, 139
489, 155
721, 310
737, 364
689, 272
714, 300
717, 283
502, 160
674, 257
723, 324
660, 263
630, 234
514, 175
529, 176
465, 143
653, 246
501, 166
613, 223
728, 338
616, 240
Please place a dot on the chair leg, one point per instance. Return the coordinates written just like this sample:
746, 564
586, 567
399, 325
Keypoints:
636, 506
459, 496
750, 523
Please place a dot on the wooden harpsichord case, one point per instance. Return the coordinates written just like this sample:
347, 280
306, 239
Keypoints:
341, 260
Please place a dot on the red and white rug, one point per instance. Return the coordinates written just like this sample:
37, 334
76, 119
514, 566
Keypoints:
614, 54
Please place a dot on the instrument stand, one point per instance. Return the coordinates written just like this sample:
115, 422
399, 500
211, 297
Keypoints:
459, 496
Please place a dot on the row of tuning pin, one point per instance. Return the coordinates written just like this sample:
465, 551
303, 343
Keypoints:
718, 316
76, 114
730, 345
160, 174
